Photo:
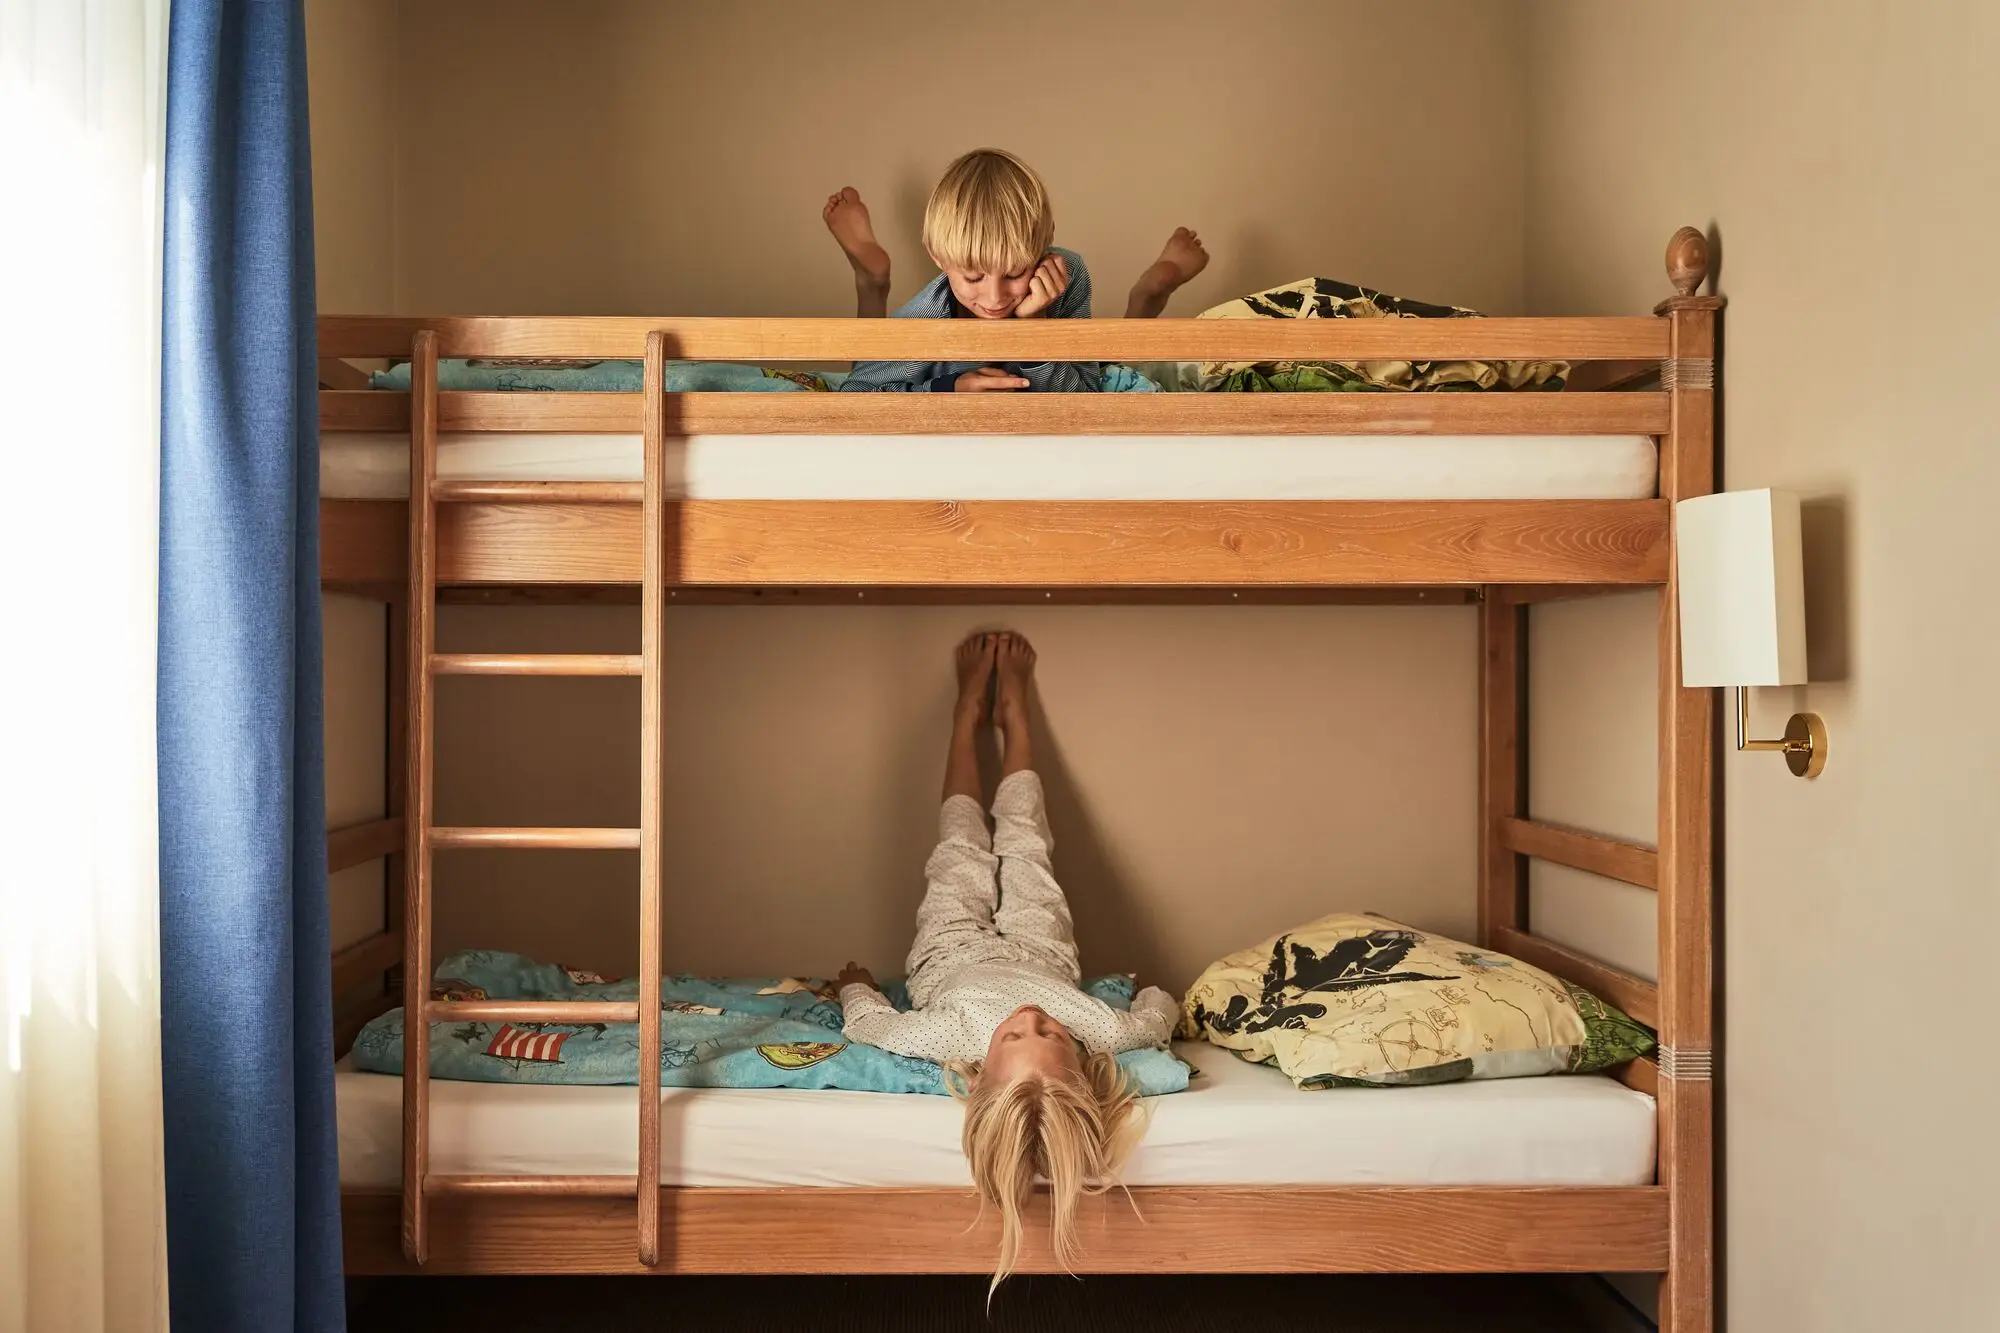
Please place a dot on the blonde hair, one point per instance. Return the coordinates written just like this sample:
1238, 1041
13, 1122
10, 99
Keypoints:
1075, 1132
990, 213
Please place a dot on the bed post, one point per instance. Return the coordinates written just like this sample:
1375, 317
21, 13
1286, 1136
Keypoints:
396, 735
417, 648
1686, 823
1503, 787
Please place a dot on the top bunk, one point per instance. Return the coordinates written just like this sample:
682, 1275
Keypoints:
1419, 495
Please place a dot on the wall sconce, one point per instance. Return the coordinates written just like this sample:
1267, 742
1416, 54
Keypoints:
1743, 620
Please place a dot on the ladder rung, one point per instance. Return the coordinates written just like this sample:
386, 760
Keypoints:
572, 839
532, 1011
611, 1187
536, 664
541, 492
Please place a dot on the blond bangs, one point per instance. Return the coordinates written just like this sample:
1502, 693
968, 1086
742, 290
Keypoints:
989, 214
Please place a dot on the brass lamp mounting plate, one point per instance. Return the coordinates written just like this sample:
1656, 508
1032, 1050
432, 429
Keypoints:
1805, 745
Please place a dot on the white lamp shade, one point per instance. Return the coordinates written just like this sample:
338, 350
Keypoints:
1742, 589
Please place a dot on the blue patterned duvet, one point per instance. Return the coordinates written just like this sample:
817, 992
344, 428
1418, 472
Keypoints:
781, 1032
567, 376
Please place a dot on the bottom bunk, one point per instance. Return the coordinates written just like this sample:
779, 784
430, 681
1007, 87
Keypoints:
1241, 1173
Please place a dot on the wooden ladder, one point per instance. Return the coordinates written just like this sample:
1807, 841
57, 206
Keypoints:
425, 665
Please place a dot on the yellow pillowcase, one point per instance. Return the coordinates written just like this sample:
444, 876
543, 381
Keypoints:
1363, 999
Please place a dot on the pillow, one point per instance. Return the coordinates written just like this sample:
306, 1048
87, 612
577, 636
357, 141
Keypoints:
1326, 298
1361, 999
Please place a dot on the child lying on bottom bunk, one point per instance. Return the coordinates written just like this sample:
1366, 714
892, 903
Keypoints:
990, 229
994, 980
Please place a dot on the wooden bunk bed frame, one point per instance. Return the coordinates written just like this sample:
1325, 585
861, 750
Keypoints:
584, 541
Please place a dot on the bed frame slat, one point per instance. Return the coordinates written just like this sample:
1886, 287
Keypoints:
358, 844
1578, 850
1612, 338
1079, 415
1635, 995
536, 664
545, 839
532, 1011
1050, 544
1212, 1229
364, 962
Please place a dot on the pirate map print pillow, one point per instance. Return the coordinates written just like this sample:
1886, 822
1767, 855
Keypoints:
1359, 999
1329, 298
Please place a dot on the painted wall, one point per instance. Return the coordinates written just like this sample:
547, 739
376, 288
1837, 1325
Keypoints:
1847, 155
634, 157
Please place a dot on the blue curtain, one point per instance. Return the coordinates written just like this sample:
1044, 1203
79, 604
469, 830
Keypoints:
253, 1194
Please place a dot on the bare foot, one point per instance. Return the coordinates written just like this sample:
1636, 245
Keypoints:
1183, 257
974, 661
847, 218
1015, 669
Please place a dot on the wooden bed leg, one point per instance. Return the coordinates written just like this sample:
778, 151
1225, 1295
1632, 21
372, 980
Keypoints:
1503, 787
1686, 826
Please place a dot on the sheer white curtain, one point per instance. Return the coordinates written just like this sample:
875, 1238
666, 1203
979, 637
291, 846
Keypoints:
82, 101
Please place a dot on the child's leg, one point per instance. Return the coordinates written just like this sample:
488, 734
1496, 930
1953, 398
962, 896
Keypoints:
955, 919
847, 218
1032, 914
1182, 258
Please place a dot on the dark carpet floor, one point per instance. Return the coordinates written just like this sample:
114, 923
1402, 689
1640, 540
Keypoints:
1167, 1304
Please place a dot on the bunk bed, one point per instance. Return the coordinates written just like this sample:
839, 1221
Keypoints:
664, 498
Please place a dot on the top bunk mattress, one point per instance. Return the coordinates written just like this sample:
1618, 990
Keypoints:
368, 466
1237, 1124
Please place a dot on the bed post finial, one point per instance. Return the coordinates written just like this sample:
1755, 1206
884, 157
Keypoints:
1687, 261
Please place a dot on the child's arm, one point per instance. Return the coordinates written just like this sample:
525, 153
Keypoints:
1072, 302
869, 1017
1151, 1021
890, 377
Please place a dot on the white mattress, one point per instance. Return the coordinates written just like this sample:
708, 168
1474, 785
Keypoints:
1238, 1124
1031, 467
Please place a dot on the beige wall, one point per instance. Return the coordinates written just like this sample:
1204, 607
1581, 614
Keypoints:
1848, 157
635, 157
1221, 773
352, 72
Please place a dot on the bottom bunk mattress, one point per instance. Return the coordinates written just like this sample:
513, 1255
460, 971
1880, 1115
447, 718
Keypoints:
356, 466
1237, 1124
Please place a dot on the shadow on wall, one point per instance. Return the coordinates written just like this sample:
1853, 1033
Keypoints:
1824, 533
1114, 929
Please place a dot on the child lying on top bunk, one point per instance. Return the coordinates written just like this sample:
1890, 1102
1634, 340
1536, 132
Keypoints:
994, 980
989, 228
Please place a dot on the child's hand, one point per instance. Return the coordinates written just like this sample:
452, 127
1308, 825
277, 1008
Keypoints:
1051, 280
987, 379
852, 975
